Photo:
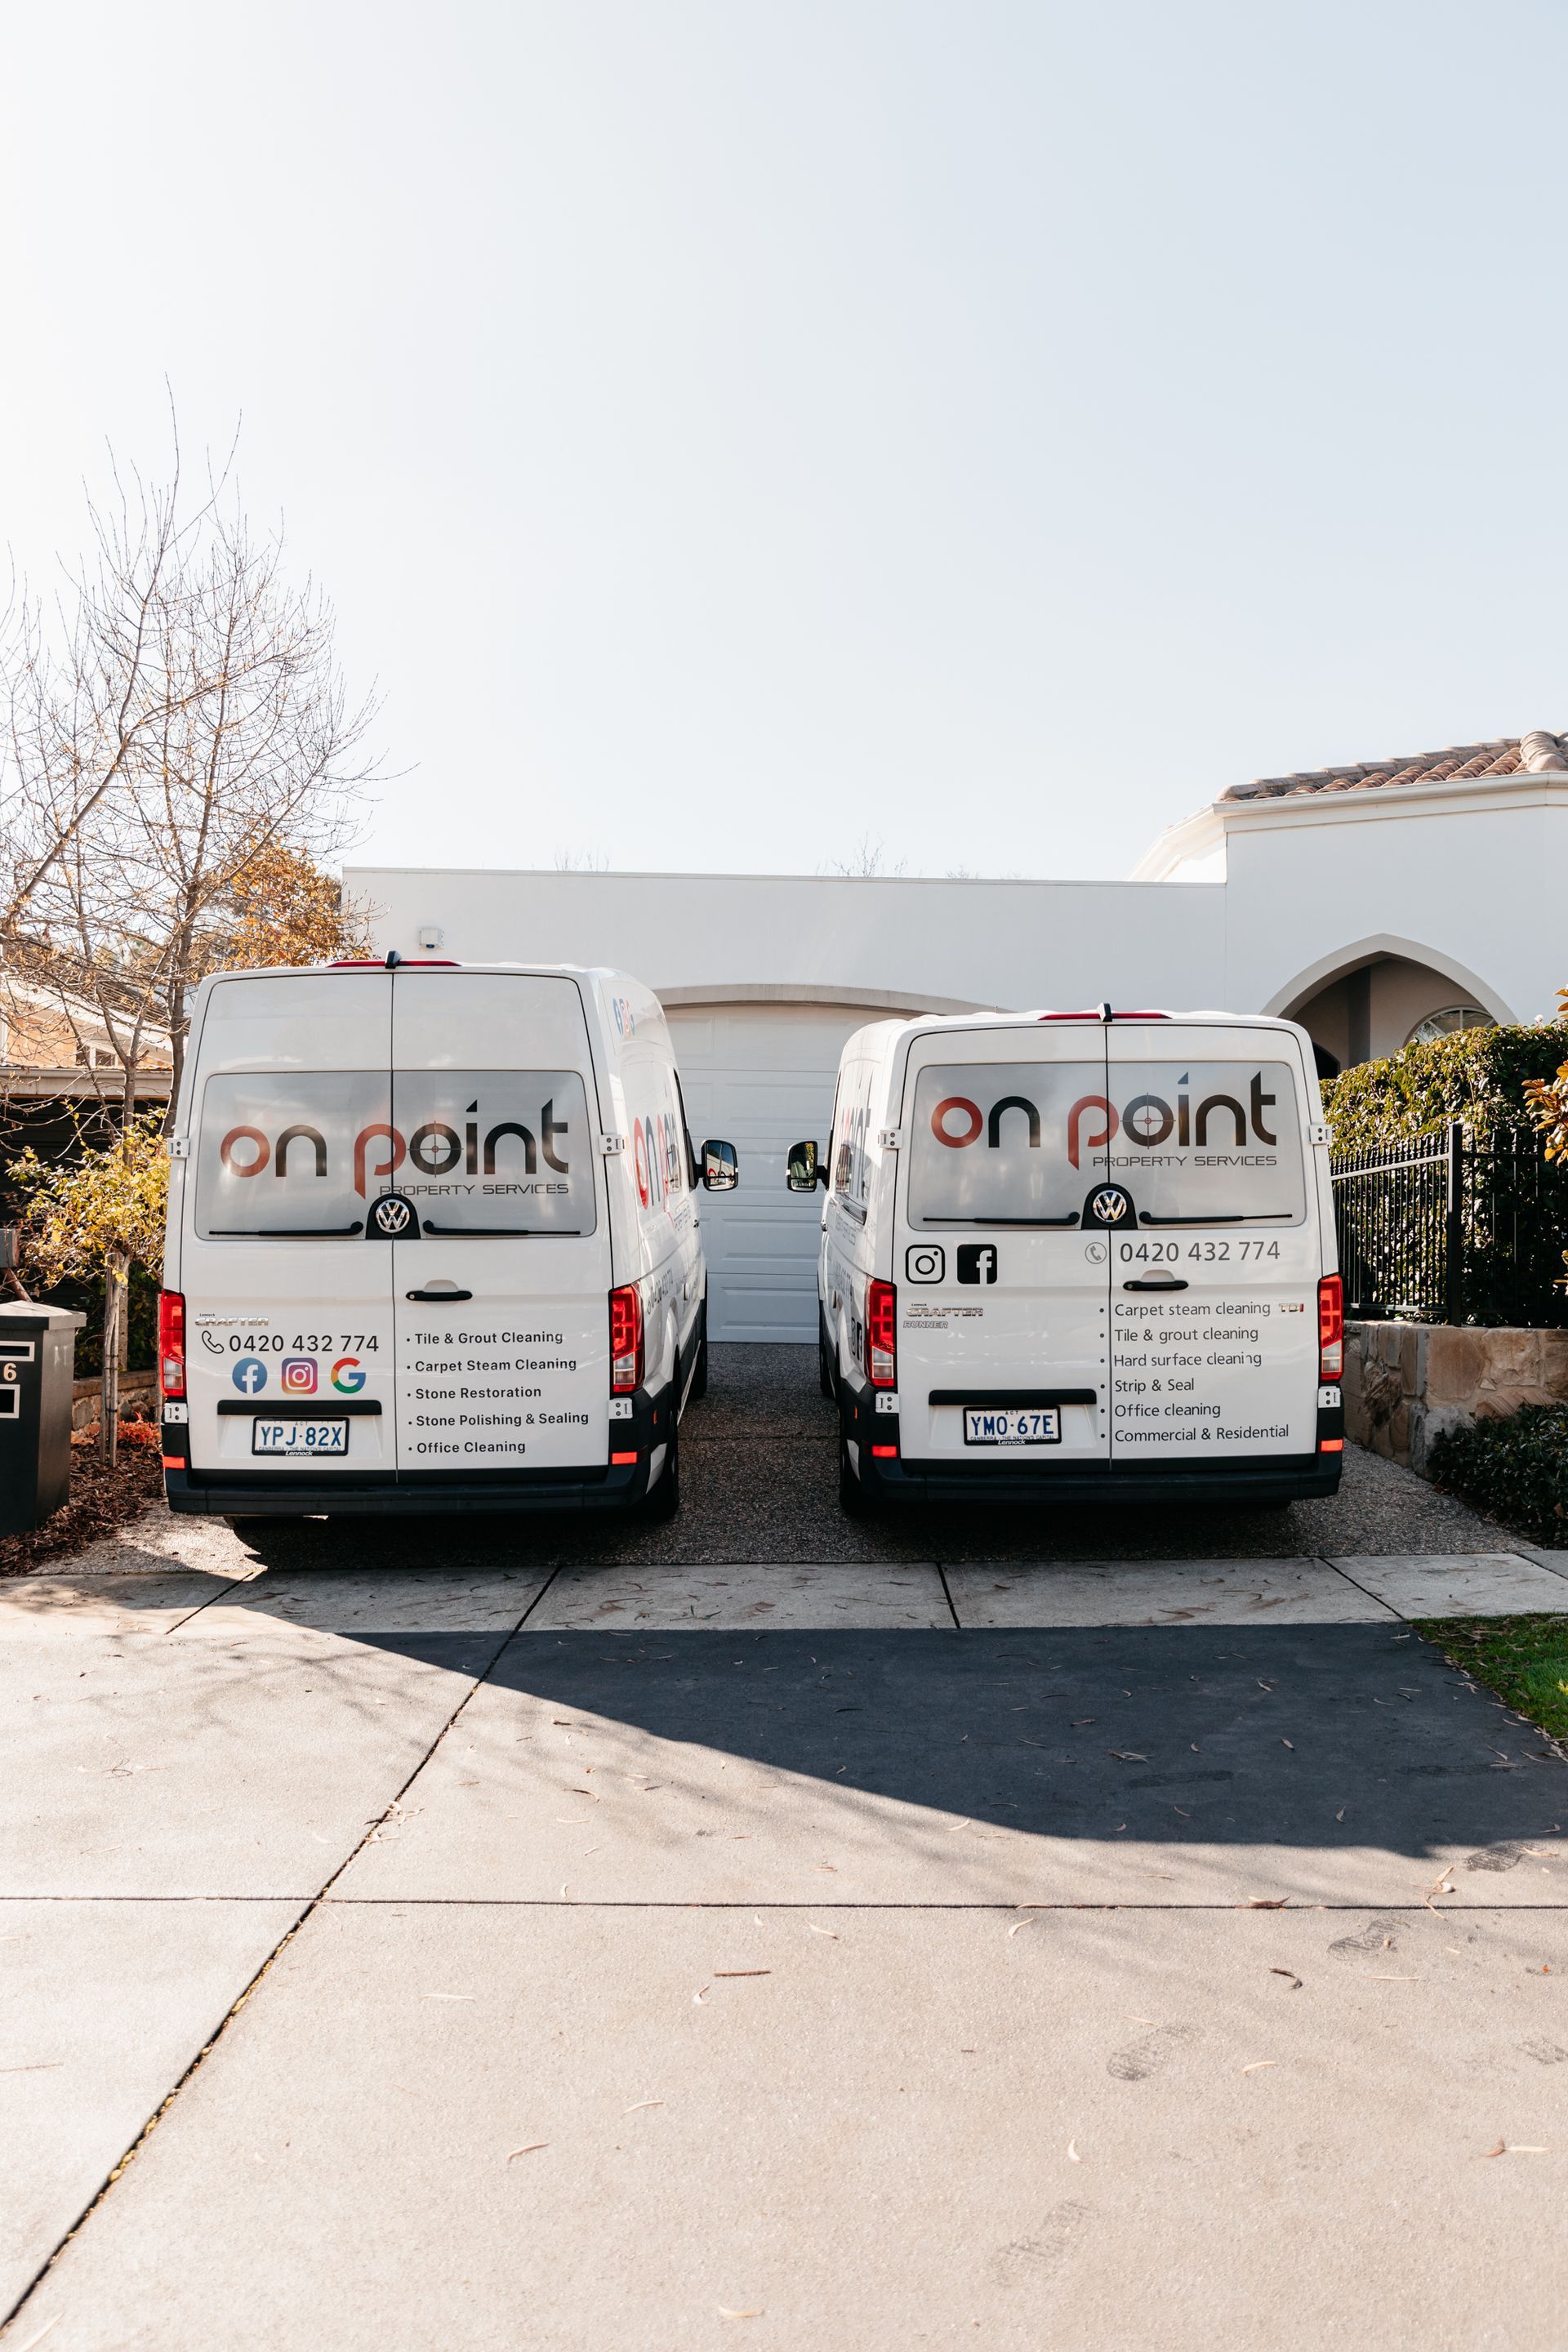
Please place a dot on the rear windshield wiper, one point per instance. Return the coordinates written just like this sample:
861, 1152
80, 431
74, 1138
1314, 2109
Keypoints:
1233, 1217
504, 1232
1029, 1223
285, 1232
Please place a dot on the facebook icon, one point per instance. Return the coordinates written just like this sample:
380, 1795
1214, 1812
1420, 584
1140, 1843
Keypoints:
976, 1262
249, 1374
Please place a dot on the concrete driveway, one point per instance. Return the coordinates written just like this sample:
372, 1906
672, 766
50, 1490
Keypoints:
1163, 1949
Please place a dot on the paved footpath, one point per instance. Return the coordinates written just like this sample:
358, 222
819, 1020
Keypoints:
825, 1954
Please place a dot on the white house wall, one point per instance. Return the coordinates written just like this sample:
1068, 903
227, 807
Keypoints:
1470, 891
1013, 944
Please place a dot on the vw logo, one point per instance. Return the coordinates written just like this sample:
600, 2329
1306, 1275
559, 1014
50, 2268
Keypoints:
391, 1217
1109, 1207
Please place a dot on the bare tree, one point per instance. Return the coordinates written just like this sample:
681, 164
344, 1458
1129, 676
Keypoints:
582, 861
173, 718
865, 862
175, 723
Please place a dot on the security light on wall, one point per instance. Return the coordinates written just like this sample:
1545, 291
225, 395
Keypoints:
430, 935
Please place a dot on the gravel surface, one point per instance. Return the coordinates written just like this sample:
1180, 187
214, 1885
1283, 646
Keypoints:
759, 1470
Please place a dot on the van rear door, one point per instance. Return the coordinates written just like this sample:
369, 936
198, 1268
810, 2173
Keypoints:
290, 1338
1214, 1316
501, 1275
1003, 1289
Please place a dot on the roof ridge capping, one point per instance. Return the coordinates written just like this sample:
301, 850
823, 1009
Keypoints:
1539, 752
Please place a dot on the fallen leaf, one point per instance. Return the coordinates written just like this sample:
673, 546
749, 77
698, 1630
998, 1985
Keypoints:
1073, 2156
1387, 1980
451, 1995
1017, 1924
953, 1828
725, 2312
1258, 2063
1515, 2147
831, 1933
1127, 1755
637, 2104
699, 1996
742, 1973
533, 2148
1264, 1903
1080, 1721
1287, 1743
1295, 1979
1340, 1814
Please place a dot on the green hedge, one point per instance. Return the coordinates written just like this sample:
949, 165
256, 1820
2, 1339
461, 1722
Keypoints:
1477, 1075
1516, 1467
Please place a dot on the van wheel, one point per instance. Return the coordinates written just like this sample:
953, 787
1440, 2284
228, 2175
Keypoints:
852, 1497
700, 1377
665, 1500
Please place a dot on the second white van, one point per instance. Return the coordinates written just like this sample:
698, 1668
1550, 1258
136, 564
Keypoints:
1075, 1256
433, 1244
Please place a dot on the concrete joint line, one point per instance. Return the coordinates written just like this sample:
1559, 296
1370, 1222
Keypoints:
281, 1946
1375, 1597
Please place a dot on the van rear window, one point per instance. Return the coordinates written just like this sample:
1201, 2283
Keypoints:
495, 1150
302, 1153
1023, 1143
1195, 1141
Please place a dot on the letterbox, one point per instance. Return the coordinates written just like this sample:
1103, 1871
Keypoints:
37, 1350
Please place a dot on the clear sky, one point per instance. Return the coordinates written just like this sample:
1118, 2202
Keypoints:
731, 430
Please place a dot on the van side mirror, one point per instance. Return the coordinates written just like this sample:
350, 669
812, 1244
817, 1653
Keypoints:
721, 1169
803, 1171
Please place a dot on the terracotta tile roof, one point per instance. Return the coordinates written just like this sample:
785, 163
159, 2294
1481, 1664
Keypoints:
1510, 755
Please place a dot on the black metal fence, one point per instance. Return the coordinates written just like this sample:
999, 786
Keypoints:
1443, 1230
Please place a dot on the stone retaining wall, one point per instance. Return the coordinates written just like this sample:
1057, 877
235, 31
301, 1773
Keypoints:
1407, 1382
138, 1395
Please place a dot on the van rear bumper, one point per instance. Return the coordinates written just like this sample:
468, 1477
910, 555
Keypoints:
1254, 1478
1287, 1478
214, 1495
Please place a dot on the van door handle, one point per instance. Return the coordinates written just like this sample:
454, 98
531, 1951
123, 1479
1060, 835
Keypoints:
1170, 1283
438, 1298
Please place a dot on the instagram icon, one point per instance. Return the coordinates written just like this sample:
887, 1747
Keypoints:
299, 1376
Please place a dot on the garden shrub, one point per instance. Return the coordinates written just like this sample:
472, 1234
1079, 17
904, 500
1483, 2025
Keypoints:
1476, 1075
1515, 1467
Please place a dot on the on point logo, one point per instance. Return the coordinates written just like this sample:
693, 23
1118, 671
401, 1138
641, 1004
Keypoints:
250, 1375
347, 1375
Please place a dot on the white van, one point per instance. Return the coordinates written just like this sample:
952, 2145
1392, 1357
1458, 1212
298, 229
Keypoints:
432, 1244
1077, 1254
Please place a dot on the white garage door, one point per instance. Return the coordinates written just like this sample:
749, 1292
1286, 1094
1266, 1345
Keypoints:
761, 1075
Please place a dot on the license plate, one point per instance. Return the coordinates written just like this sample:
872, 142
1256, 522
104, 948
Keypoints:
1040, 1425
298, 1436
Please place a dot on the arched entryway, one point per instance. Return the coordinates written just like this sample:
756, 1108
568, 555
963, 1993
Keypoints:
758, 1065
1372, 997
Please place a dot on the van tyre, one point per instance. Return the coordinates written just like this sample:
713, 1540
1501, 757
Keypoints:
853, 1498
665, 1500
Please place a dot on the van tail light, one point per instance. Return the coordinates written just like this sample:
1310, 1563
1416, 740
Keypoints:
882, 1315
172, 1342
625, 1341
1331, 1328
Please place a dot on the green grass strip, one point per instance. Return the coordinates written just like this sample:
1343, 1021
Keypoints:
1523, 1659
